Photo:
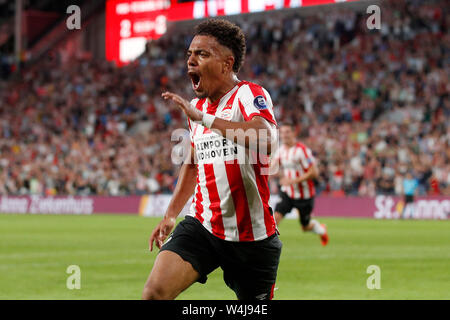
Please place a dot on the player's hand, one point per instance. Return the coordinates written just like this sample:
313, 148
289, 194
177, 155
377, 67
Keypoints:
287, 181
161, 232
192, 113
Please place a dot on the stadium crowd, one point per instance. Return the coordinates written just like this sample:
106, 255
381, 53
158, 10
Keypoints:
371, 104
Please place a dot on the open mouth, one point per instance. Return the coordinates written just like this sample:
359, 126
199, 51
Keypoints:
195, 79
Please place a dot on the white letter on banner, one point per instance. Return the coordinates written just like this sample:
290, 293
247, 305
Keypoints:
199, 9
232, 7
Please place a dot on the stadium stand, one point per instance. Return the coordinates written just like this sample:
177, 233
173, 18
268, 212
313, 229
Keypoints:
372, 105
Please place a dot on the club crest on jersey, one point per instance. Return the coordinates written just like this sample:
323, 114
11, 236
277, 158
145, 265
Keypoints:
260, 103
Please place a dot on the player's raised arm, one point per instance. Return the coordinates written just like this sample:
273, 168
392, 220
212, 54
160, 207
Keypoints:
257, 133
183, 191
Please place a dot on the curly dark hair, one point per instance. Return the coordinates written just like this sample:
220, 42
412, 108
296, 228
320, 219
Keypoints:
227, 34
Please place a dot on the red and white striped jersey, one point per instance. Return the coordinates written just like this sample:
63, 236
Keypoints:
295, 161
231, 198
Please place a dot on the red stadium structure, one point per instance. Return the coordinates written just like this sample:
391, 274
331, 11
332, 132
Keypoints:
131, 23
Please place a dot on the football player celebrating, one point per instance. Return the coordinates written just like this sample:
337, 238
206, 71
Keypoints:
299, 169
230, 224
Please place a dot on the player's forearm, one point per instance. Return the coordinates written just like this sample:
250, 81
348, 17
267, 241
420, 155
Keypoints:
310, 174
183, 190
253, 134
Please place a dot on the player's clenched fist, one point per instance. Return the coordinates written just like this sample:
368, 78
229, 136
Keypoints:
161, 232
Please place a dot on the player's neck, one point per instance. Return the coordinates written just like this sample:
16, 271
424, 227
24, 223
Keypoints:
290, 144
224, 89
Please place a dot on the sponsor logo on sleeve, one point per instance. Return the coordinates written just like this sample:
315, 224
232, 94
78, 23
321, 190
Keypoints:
260, 103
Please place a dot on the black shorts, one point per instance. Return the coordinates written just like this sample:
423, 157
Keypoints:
304, 207
409, 198
249, 268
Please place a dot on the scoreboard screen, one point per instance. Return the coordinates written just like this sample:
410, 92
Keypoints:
131, 23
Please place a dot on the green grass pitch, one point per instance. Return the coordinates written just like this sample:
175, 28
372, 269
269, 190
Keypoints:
111, 251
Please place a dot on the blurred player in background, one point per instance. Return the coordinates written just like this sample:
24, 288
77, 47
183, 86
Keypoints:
298, 170
410, 186
230, 224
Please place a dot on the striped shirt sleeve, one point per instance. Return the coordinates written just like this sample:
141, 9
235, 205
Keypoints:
255, 101
306, 158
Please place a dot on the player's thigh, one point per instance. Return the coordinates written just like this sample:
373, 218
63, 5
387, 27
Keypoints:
169, 277
253, 270
305, 208
185, 257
